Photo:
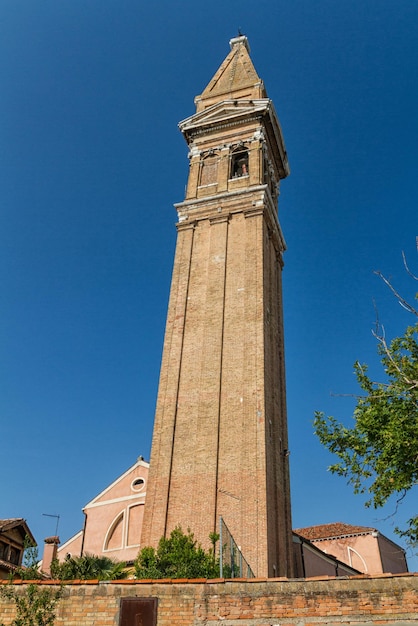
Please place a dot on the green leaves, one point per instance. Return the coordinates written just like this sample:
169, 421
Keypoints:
379, 454
178, 556
35, 605
88, 567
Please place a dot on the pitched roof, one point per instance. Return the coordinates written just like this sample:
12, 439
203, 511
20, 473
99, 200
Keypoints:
332, 531
5, 524
17, 522
140, 462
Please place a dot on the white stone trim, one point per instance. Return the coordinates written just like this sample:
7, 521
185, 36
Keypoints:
139, 463
135, 496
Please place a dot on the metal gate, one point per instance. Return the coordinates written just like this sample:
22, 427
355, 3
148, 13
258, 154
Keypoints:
138, 612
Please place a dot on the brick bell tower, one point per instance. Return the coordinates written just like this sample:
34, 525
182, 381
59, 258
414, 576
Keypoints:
220, 435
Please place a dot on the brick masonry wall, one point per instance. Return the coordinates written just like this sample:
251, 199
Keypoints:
360, 601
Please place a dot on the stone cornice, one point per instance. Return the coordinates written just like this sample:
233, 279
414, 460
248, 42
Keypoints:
225, 112
217, 198
233, 113
221, 207
215, 126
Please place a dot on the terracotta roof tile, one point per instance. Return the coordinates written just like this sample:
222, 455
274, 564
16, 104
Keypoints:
336, 529
7, 565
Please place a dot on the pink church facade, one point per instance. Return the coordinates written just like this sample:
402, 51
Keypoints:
113, 519
361, 547
113, 524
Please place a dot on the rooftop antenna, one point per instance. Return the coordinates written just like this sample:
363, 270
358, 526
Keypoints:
53, 515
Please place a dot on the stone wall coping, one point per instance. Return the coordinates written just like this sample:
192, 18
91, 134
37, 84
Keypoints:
212, 581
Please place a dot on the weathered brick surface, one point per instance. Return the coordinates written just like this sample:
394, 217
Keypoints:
360, 601
220, 434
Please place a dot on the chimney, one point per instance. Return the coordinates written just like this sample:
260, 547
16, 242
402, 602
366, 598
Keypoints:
50, 553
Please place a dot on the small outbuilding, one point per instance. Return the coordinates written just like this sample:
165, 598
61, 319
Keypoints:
361, 547
13, 532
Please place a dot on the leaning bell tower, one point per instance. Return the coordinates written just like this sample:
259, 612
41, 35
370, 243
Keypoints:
220, 435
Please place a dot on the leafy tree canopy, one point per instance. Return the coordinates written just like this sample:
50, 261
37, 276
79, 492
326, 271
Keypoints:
30, 568
88, 567
35, 605
178, 556
379, 454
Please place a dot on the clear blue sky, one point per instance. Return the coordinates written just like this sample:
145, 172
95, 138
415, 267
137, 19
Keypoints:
91, 162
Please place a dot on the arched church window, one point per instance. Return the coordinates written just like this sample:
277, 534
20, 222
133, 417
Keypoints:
114, 535
239, 164
209, 169
135, 517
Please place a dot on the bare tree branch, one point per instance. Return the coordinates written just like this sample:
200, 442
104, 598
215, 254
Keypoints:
408, 271
397, 295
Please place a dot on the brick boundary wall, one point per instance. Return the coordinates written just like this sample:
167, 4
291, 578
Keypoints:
358, 601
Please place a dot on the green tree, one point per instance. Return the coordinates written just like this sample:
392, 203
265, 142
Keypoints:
35, 604
30, 568
379, 454
88, 567
178, 556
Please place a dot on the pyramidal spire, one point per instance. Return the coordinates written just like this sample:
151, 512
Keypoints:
236, 77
